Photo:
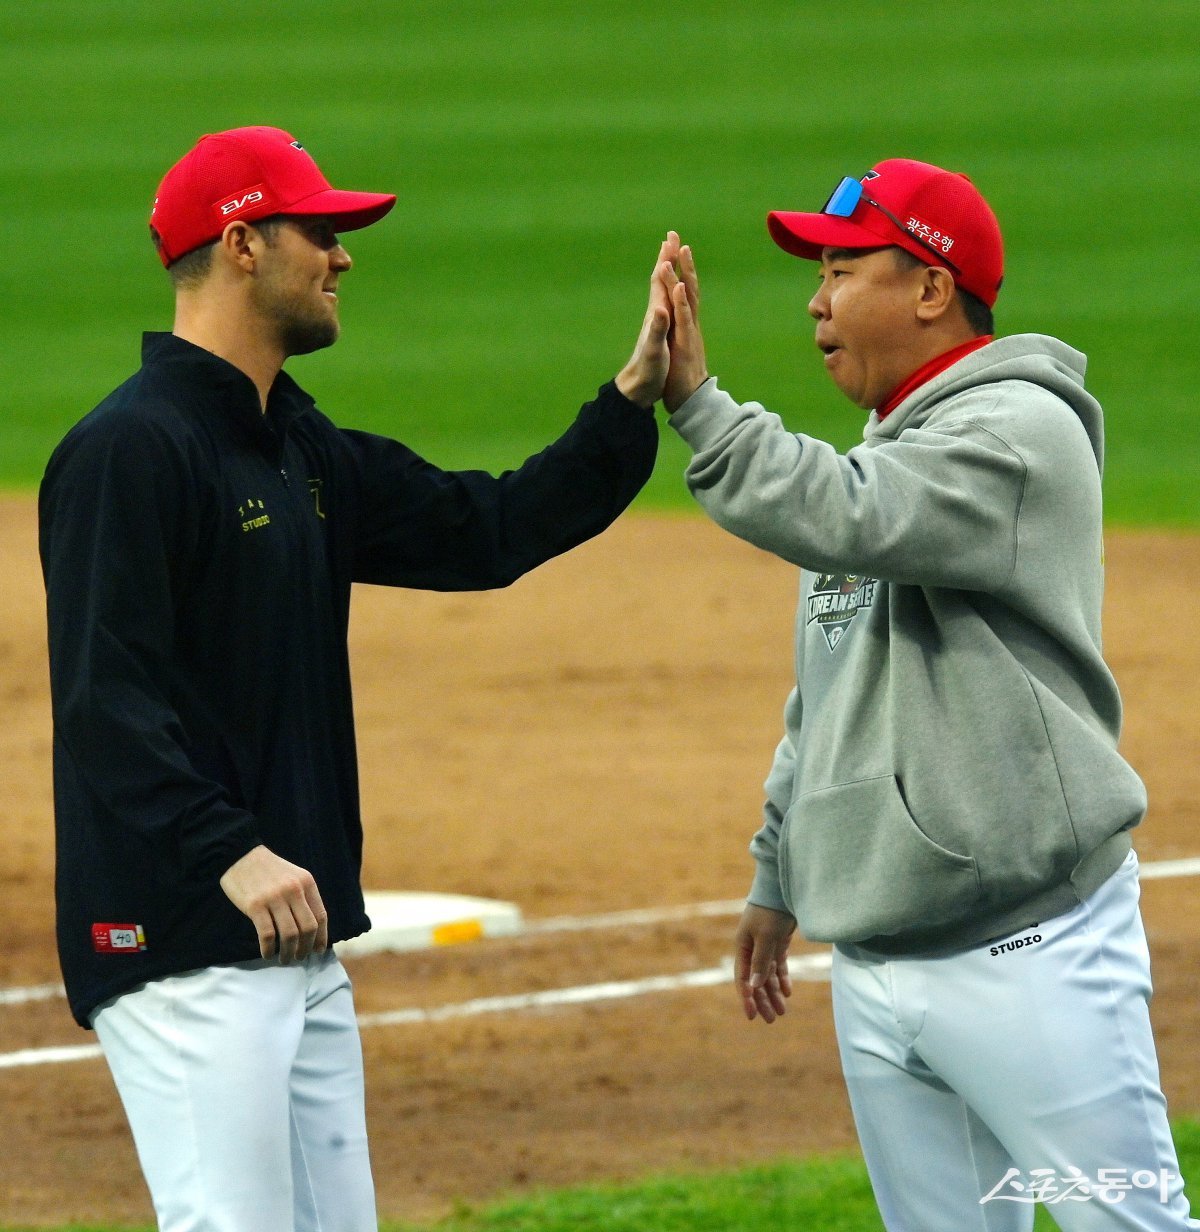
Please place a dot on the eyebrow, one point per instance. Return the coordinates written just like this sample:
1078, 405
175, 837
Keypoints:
850, 254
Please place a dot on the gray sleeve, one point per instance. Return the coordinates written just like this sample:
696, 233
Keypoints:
766, 890
936, 506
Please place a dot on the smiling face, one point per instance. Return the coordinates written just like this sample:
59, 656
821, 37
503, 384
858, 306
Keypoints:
872, 314
295, 288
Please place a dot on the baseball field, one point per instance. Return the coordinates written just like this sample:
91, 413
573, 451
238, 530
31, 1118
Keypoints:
592, 741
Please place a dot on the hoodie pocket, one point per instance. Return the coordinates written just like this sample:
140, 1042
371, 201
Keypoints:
855, 864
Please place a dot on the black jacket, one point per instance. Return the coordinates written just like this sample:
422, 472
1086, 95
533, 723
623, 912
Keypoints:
198, 558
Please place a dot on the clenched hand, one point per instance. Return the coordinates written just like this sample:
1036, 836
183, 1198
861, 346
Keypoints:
283, 903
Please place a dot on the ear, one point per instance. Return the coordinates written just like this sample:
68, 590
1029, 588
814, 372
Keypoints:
240, 245
937, 293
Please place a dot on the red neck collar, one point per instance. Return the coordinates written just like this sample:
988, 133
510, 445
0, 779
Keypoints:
927, 372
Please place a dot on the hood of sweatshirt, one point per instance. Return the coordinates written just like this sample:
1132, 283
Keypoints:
1035, 359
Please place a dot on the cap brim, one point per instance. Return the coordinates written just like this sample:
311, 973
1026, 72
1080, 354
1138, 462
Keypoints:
350, 211
805, 235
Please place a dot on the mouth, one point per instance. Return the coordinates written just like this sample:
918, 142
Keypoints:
828, 349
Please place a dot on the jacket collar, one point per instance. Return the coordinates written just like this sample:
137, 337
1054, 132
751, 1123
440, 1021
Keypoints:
217, 382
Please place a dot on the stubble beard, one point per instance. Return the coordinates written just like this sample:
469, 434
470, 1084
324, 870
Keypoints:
299, 326
301, 333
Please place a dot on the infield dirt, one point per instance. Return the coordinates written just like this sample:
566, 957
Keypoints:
593, 739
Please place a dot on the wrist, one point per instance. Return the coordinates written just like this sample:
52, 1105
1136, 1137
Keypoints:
632, 385
674, 397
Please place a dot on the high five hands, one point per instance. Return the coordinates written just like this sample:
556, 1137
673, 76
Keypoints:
668, 360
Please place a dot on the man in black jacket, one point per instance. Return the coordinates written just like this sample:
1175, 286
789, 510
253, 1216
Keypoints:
200, 532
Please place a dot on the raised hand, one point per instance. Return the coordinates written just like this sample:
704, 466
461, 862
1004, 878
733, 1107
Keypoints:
643, 377
688, 369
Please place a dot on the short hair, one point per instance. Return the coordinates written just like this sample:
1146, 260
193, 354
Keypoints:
190, 270
979, 316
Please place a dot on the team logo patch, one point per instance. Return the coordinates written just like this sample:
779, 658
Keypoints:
835, 601
231, 207
254, 515
118, 938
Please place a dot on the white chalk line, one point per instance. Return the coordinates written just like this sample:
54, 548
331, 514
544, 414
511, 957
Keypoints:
1169, 868
36, 992
803, 967
49, 1056
636, 917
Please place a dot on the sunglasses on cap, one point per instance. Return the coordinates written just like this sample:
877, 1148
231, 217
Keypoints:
844, 200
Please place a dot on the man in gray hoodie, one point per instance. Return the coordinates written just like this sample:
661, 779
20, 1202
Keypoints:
947, 806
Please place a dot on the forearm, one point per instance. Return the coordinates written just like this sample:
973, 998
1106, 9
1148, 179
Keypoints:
940, 510
469, 530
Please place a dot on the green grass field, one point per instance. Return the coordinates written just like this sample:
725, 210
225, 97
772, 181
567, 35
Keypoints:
541, 150
822, 1195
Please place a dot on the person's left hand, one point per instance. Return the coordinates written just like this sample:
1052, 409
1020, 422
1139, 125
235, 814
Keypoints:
643, 377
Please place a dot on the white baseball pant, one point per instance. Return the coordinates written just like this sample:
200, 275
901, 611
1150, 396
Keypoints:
243, 1086
986, 1080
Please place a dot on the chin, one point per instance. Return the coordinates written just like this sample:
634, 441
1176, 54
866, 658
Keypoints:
850, 395
302, 338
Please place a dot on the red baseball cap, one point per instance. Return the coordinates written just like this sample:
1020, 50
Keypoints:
939, 216
244, 174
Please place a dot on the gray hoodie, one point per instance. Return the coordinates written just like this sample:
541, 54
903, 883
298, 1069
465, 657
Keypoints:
949, 770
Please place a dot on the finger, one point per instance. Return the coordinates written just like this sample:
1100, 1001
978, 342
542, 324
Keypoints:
741, 978
773, 990
764, 983
287, 933
317, 907
765, 1002
765, 1010
264, 925
681, 303
307, 928
785, 979
660, 287
687, 268
297, 921
668, 254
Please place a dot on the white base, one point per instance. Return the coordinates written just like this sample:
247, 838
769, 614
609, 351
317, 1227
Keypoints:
415, 921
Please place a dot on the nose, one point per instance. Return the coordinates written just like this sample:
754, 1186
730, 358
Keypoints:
818, 306
339, 258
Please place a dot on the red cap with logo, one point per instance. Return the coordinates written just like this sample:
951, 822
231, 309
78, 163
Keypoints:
939, 216
245, 174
